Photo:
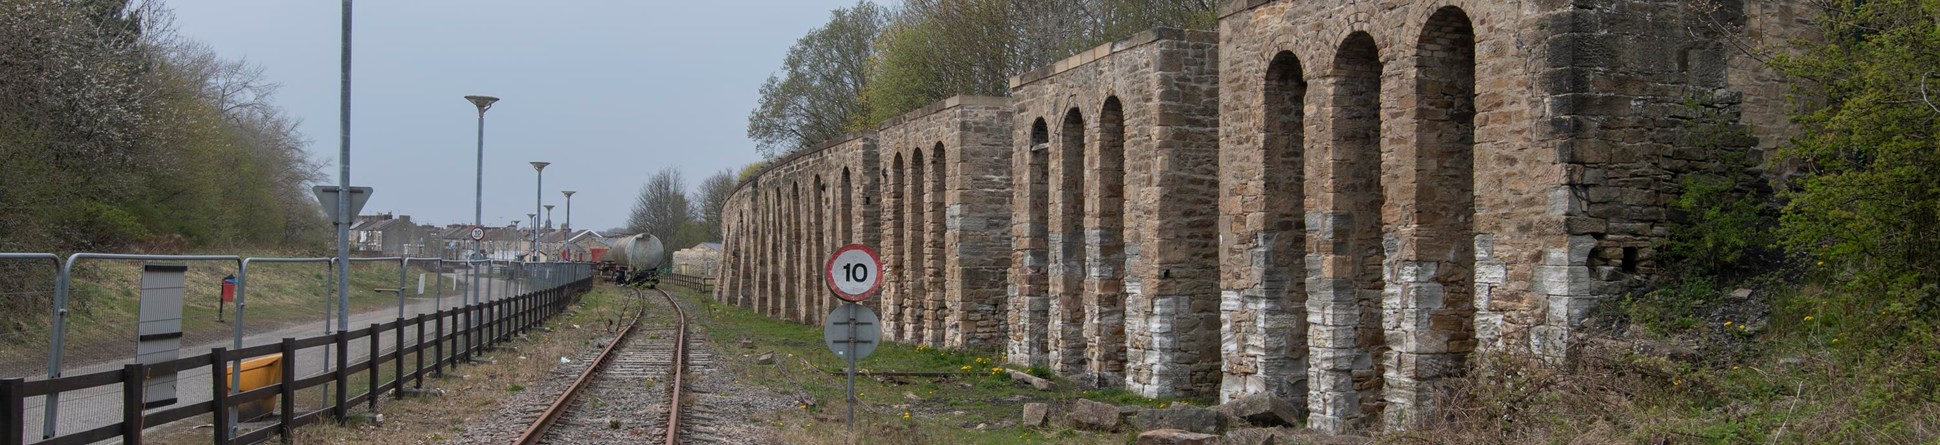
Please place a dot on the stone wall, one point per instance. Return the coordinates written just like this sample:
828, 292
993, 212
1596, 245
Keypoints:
782, 224
946, 248
1116, 244
1338, 203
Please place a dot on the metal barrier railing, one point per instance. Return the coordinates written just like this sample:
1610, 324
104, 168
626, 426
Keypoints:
482, 322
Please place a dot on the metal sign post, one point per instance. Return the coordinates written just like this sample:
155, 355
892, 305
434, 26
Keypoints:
854, 274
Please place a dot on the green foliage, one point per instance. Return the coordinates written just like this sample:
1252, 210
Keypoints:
1722, 226
869, 65
1675, 308
1864, 212
936, 49
749, 171
819, 89
118, 135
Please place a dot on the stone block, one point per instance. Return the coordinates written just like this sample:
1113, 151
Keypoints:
1262, 410
1092, 415
1175, 437
1188, 418
1036, 414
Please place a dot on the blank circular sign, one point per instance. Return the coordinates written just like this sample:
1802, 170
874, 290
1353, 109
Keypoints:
854, 272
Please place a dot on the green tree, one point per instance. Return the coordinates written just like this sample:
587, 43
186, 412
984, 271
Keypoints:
934, 49
819, 89
1866, 203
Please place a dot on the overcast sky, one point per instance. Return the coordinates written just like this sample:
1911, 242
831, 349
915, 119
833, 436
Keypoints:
607, 91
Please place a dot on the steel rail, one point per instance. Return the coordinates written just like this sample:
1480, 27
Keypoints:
533, 433
679, 369
537, 430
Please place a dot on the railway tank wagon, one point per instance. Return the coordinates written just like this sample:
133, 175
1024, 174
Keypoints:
637, 259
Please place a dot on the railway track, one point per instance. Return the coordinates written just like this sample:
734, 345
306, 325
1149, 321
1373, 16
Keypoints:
634, 390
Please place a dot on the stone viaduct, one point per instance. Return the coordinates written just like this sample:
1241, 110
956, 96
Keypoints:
1335, 202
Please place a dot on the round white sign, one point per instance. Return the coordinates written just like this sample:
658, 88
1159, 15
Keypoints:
478, 233
854, 272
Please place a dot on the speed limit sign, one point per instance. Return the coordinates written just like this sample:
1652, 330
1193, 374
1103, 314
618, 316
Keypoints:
854, 272
478, 233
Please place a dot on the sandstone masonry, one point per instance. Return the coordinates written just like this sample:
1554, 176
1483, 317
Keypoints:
1338, 203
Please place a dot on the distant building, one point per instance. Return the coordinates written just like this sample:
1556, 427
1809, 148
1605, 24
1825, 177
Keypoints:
384, 234
702, 260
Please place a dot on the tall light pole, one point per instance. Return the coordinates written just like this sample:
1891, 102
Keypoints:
568, 227
548, 225
538, 196
478, 194
569, 211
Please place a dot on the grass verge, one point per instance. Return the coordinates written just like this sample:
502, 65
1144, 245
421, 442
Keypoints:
976, 404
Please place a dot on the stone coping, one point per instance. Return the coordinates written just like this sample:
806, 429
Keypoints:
1230, 7
932, 108
1102, 51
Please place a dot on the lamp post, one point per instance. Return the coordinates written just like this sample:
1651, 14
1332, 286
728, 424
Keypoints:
568, 227
569, 211
478, 193
538, 196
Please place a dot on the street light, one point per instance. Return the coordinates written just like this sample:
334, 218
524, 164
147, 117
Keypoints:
569, 220
478, 194
569, 210
538, 196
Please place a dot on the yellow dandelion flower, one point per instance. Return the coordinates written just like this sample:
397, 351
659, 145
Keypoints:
966, 367
1808, 318
1727, 324
1734, 367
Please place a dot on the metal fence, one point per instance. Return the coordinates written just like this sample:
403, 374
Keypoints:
542, 290
701, 283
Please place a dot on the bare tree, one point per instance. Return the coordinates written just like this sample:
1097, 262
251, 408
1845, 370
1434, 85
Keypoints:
712, 196
817, 94
662, 206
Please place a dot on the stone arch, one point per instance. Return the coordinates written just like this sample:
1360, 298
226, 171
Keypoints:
819, 251
791, 304
1436, 329
934, 241
893, 251
1350, 344
915, 242
1283, 309
1032, 339
1106, 251
847, 208
1067, 307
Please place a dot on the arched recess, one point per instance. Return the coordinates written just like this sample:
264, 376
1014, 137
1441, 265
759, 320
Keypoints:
1441, 302
894, 250
1068, 309
916, 240
1283, 314
1033, 266
934, 233
1106, 256
847, 210
792, 305
1349, 380
818, 237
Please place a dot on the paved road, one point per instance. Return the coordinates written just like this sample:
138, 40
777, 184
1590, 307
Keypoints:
99, 406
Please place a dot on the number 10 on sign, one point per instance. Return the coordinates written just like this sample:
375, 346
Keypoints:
854, 272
